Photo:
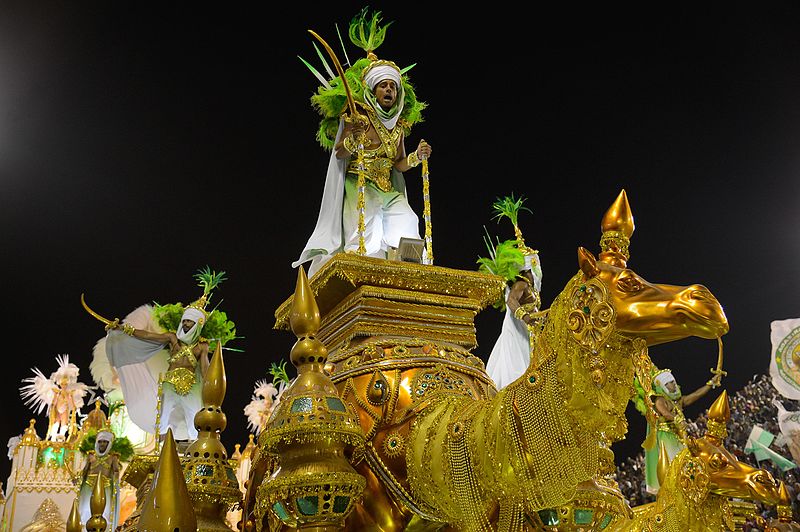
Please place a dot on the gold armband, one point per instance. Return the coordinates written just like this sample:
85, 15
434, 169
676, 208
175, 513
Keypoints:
413, 159
128, 329
350, 144
520, 313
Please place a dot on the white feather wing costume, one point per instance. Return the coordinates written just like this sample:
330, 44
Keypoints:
40, 391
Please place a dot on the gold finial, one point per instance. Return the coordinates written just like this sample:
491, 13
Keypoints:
304, 320
74, 519
97, 504
304, 317
718, 415
167, 507
29, 436
663, 463
214, 385
237, 454
784, 507
617, 227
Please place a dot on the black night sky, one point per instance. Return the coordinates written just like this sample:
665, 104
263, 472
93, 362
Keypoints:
142, 141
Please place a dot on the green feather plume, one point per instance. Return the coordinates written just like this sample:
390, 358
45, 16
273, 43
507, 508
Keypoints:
509, 207
208, 279
365, 30
278, 372
505, 259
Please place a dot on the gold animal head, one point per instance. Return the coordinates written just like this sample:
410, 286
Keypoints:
718, 468
658, 313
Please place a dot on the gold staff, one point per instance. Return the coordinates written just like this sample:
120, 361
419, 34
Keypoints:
426, 210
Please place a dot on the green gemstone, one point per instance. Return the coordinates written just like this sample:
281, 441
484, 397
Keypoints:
586, 310
392, 443
334, 403
532, 379
302, 404
340, 504
549, 517
583, 288
583, 517
606, 521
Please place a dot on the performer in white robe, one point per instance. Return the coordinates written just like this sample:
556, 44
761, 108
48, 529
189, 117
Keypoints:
101, 460
511, 353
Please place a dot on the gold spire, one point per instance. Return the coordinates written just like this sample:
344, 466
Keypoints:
237, 454
210, 480
167, 507
97, 504
29, 437
718, 415
784, 507
249, 448
312, 431
617, 227
74, 519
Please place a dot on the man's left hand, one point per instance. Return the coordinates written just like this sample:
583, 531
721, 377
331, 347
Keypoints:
423, 150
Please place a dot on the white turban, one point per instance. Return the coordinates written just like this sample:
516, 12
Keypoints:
198, 317
103, 435
379, 73
662, 379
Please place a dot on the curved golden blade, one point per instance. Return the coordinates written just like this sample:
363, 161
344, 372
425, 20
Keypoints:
339, 70
93, 313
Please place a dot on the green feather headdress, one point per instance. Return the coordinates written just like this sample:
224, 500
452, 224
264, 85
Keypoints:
505, 259
121, 445
330, 99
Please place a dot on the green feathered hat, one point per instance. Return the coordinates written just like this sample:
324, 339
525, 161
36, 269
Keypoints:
330, 100
505, 259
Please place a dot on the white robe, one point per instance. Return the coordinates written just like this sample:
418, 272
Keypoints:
381, 226
511, 353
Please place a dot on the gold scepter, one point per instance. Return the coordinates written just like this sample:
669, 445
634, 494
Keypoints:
355, 116
426, 210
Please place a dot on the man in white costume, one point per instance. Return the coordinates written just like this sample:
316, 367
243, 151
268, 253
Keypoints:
129, 349
379, 133
511, 353
101, 460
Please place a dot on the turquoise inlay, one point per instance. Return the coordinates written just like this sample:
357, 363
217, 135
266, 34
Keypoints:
281, 512
334, 403
583, 517
302, 404
308, 505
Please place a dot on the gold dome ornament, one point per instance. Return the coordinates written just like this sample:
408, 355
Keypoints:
167, 507
312, 432
718, 416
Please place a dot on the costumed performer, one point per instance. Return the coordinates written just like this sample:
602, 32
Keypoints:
519, 265
103, 455
668, 402
170, 397
61, 395
370, 139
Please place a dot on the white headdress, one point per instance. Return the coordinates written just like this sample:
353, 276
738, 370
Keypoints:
660, 382
103, 435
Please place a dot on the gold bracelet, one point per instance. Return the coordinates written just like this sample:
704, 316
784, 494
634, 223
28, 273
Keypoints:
413, 159
128, 329
520, 313
350, 144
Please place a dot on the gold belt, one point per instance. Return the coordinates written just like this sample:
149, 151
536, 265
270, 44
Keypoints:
182, 379
377, 170
91, 479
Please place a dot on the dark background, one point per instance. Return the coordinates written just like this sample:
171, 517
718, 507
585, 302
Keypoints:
140, 142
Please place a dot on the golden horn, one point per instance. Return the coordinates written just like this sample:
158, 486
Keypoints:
74, 520
619, 217
663, 463
93, 313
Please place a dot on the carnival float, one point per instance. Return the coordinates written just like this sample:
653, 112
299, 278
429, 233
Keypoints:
387, 418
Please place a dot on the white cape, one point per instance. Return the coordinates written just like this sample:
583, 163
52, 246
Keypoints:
132, 359
327, 238
511, 354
